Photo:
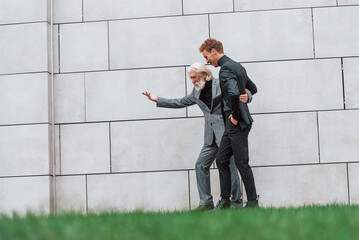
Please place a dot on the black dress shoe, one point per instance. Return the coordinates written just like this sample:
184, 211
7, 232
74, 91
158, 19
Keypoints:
237, 204
223, 204
252, 203
205, 207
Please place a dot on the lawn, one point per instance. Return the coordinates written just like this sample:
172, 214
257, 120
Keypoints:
316, 222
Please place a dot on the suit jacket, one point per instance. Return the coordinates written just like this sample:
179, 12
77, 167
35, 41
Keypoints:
233, 81
214, 124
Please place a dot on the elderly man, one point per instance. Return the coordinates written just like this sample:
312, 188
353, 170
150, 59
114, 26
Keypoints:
233, 81
207, 95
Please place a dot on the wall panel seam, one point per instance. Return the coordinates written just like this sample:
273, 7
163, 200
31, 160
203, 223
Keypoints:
60, 148
348, 182
87, 201
192, 169
23, 124
189, 189
58, 46
182, 7
110, 147
85, 97
173, 118
22, 73
21, 23
313, 33
199, 14
82, 11
293, 8
194, 117
108, 45
318, 134
343, 81
186, 65
27, 176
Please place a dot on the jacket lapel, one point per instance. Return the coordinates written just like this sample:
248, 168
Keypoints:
214, 87
214, 91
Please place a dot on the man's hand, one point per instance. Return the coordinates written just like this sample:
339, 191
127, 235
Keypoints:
234, 121
244, 97
150, 96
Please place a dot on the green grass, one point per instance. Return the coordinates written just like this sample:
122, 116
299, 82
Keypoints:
317, 222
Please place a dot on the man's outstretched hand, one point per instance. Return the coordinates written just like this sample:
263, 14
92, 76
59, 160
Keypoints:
244, 97
150, 96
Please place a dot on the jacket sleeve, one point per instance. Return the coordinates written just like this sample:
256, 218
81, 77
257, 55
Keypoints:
176, 103
231, 86
251, 86
250, 96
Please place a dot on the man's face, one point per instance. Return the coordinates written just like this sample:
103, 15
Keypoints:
198, 79
194, 76
211, 57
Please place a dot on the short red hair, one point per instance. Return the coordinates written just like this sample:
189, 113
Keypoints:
211, 43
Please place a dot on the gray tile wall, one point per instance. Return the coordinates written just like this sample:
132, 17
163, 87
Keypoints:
25, 101
112, 144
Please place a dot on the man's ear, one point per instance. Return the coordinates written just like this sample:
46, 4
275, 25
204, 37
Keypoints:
213, 51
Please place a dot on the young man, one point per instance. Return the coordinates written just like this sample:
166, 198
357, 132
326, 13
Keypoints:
233, 79
207, 95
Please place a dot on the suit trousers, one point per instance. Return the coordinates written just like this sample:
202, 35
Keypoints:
235, 143
203, 164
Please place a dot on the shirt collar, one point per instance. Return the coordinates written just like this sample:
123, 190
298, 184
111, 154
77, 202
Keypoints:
222, 60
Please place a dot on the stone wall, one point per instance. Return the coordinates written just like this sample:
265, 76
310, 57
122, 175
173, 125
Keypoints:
116, 150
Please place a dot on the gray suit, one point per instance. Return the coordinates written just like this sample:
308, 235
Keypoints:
214, 128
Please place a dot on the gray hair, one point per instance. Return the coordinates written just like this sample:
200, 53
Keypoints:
200, 68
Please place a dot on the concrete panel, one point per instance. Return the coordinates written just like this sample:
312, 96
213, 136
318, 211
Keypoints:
215, 188
351, 82
353, 182
296, 85
118, 95
348, 2
67, 11
71, 194
21, 11
146, 191
117, 9
23, 48
206, 6
339, 136
84, 47
24, 150
25, 194
301, 185
70, 98
284, 139
170, 41
336, 31
85, 148
156, 145
267, 35
246, 5
24, 98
